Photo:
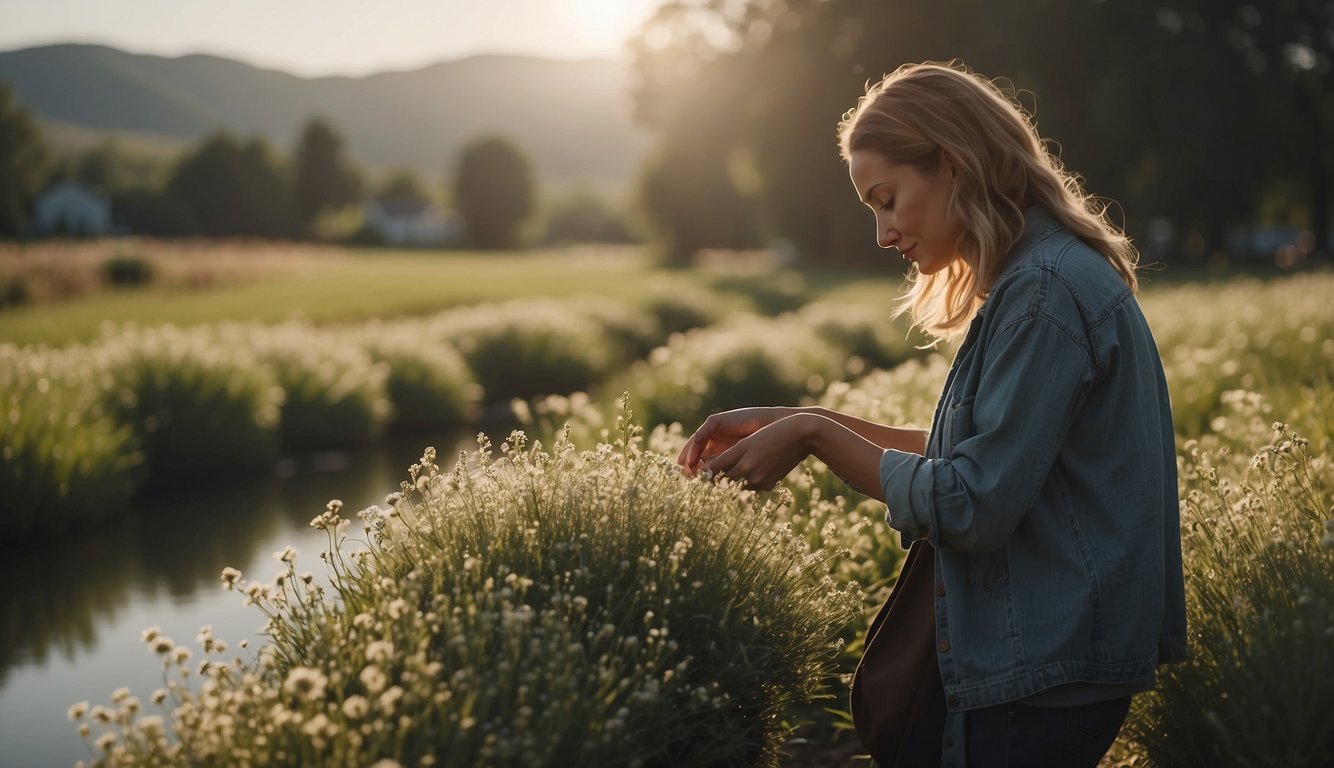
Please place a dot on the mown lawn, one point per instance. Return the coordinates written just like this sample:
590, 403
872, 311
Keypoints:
358, 286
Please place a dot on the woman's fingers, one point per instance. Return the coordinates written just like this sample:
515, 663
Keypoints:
694, 449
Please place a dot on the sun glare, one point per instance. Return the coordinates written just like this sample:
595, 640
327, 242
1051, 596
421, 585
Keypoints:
607, 23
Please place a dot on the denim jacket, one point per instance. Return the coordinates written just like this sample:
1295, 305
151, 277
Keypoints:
1049, 485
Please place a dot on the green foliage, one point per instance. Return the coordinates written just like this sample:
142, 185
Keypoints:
1244, 334
747, 361
235, 187
691, 202
681, 310
524, 349
13, 291
429, 385
495, 190
864, 332
146, 210
64, 463
334, 396
583, 216
1258, 541
126, 269
545, 609
631, 331
769, 81
193, 406
771, 293
324, 177
402, 183
23, 160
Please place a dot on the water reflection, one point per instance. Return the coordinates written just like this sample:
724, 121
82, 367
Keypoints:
71, 612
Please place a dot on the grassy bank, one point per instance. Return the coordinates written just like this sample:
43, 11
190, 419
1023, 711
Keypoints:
346, 287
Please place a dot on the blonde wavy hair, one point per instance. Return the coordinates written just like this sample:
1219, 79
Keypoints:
1002, 166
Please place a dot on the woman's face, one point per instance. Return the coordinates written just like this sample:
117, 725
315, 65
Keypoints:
911, 210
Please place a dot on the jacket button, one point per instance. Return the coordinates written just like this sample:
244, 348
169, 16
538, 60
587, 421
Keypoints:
948, 742
943, 646
953, 700
940, 590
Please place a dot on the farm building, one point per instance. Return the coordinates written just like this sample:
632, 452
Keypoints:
412, 221
70, 208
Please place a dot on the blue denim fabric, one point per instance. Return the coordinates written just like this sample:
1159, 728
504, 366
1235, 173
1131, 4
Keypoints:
1049, 486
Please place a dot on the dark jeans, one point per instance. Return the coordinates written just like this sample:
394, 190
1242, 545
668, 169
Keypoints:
1018, 735
1014, 734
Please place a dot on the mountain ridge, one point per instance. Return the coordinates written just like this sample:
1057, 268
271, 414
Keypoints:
573, 117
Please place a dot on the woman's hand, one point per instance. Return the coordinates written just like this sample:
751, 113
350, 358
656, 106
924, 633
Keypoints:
722, 431
767, 455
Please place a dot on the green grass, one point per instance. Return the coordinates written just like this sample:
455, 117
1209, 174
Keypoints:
363, 285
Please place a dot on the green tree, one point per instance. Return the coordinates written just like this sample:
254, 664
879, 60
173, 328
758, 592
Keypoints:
325, 179
495, 191
583, 216
402, 184
23, 161
235, 187
1151, 99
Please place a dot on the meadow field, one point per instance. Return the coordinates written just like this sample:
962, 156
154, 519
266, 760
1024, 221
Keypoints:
561, 595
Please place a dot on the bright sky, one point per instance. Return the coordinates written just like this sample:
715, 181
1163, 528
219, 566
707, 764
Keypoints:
331, 37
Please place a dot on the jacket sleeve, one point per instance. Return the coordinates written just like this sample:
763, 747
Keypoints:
1035, 373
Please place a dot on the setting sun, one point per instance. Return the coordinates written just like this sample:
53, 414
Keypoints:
607, 22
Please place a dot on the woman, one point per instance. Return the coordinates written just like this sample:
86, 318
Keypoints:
1045, 493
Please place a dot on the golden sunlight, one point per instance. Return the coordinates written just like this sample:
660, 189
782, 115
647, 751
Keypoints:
606, 23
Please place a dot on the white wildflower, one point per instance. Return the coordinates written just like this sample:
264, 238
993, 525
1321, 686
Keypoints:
306, 682
230, 576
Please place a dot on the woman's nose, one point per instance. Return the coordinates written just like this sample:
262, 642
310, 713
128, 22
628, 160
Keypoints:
888, 237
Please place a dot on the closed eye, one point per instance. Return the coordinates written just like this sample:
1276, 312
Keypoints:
888, 205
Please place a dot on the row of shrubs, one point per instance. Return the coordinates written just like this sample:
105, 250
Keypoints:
147, 408
562, 578
594, 608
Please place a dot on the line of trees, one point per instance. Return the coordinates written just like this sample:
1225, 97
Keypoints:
228, 185
1208, 114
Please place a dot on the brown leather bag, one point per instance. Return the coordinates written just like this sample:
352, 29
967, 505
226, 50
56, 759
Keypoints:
893, 684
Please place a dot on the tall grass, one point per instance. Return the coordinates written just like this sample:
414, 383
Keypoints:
192, 405
429, 385
745, 361
525, 349
334, 394
63, 462
546, 609
1258, 540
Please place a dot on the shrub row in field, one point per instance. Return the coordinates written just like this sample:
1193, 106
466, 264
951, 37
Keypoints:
209, 400
547, 609
500, 559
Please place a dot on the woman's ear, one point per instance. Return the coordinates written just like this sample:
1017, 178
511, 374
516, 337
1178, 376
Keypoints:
947, 161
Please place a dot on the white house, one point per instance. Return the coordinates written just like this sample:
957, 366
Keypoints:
413, 221
70, 208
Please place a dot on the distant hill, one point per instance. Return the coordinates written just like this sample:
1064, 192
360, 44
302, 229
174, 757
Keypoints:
572, 117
